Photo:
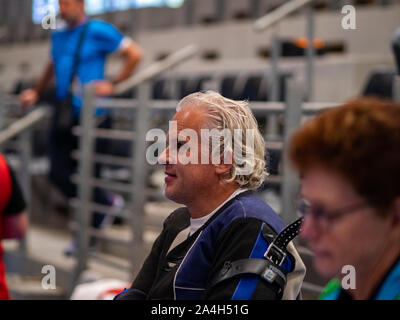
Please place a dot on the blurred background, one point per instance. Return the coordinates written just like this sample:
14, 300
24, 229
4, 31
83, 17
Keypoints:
257, 50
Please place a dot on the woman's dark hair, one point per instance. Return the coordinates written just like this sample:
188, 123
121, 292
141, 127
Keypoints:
360, 141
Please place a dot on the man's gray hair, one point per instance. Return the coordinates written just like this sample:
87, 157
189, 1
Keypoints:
234, 116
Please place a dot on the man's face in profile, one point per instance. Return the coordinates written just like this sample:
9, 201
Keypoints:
185, 183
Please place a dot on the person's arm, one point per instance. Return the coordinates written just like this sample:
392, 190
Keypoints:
131, 55
31, 96
14, 226
143, 282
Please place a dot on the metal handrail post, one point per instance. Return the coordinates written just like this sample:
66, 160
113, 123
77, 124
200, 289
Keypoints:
396, 88
276, 52
310, 53
274, 89
156, 68
86, 148
278, 14
189, 12
22, 124
139, 169
2, 111
336, 4
25, 140
290, 180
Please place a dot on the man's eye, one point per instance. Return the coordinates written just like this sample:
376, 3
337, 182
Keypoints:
179, 144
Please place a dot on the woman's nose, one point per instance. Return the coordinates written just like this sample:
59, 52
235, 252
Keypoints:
309, 229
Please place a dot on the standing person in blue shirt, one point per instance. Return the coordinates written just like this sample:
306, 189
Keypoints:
83, 45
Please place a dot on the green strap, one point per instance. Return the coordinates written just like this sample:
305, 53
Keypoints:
331, 290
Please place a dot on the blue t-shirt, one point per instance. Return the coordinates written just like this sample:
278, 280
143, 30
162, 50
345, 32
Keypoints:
101, 39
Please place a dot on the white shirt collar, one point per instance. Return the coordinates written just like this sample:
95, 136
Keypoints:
196, 224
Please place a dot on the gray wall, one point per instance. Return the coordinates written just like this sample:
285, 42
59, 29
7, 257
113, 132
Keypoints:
237, 46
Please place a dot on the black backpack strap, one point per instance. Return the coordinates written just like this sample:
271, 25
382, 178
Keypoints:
269, 268
77, 52
277, 250
263, 268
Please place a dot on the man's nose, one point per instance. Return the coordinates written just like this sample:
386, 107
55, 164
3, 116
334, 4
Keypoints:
163, 157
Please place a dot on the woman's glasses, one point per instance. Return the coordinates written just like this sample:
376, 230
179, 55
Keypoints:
326, 218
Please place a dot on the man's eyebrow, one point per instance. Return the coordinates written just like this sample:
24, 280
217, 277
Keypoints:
183, 139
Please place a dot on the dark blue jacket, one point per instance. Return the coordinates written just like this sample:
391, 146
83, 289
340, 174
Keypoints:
185, 271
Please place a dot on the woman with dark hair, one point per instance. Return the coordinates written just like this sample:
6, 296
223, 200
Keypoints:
349, 162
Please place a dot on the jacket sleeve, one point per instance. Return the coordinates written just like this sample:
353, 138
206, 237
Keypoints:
241, 239
144, 280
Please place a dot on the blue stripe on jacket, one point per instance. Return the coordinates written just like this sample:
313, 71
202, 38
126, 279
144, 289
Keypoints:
198, 259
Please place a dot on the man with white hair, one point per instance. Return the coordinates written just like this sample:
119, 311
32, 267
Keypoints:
214, 246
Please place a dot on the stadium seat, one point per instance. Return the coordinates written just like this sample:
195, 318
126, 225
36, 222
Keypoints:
379, 83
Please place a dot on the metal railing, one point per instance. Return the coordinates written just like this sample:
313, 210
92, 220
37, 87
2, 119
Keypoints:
269, 21
294, 100
278, 14
157, 68
21, 130
295, 95
24, 124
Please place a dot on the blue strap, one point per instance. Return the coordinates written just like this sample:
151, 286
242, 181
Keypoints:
334, 295
391, 286
247, 285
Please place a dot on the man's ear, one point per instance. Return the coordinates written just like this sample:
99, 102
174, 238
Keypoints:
225, 165
221, 169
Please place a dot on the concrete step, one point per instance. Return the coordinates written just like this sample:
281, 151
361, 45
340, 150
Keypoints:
46, 247
115, 239
31, 288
